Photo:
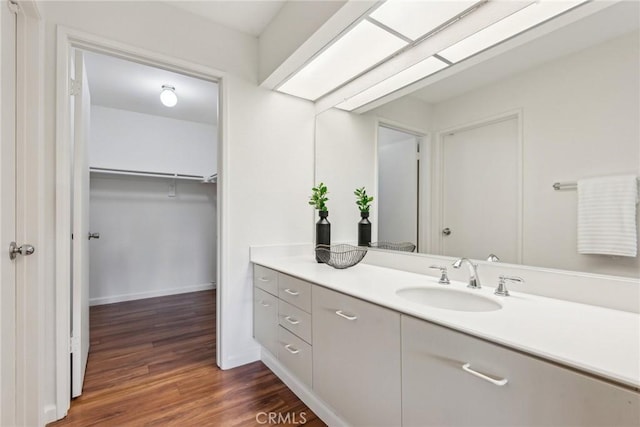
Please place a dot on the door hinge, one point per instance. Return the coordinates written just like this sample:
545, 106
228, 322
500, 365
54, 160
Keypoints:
74, 345
13, 6
75, 87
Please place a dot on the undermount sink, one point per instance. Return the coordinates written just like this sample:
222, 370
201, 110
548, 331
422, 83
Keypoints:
450, 299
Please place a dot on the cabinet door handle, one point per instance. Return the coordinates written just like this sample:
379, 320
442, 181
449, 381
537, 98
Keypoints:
290, 292
264, 304
291, 320
291, 349
263, 279
467, 367
346, 316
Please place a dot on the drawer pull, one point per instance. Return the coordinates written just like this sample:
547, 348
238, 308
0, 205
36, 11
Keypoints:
346, 316
263, 279
290, 292
291, 320
264, 304
291, 349
467, 367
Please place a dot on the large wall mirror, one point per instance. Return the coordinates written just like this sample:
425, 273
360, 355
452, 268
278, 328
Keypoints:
465, 164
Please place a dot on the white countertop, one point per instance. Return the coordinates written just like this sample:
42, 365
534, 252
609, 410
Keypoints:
597, 340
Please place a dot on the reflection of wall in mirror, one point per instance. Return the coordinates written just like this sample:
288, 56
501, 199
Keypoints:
345, 158
579, 119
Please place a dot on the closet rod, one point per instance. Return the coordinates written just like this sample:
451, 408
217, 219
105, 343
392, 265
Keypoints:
144, 173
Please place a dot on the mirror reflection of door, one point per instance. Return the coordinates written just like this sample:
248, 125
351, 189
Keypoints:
397, 185
480, 187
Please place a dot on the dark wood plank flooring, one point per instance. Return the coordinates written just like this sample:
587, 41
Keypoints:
152, 363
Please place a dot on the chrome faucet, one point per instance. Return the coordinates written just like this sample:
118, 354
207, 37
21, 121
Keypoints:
474, 280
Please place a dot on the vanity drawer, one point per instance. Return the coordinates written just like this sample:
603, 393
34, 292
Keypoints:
295, 355
265, 278
449, 378
295, 320
295, 291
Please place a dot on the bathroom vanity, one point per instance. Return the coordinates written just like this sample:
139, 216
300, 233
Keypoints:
361, 351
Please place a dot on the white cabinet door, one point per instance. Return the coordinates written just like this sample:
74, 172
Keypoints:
265, 319
437, 391
356, 358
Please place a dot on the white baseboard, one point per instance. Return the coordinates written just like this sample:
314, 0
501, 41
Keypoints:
151, 294
303, 391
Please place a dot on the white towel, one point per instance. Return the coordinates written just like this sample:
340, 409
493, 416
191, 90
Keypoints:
607, 215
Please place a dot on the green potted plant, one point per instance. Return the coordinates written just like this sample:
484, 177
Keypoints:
319, 200
363, 201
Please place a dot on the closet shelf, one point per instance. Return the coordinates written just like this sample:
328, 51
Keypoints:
204, 179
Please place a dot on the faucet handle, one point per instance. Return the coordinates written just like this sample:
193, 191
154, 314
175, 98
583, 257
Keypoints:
502, 290
444, 279
493, 258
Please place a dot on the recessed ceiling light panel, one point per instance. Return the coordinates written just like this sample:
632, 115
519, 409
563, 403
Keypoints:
414, 19
361, 48
508, 27
412, 74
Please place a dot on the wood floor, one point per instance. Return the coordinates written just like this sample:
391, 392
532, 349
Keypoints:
152, 362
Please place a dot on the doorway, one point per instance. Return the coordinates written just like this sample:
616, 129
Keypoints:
398, 186
480, 183
144, 189
174, 182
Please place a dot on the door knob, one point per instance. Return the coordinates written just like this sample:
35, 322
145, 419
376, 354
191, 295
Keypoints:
446, 231
15, 250
94, 236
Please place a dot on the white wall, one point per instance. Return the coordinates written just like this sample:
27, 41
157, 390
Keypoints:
269, 152
122, 139
150, 244
580, 117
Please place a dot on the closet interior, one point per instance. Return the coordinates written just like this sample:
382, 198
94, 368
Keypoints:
153, 181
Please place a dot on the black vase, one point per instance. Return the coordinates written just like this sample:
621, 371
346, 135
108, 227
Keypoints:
364, 230
323, 231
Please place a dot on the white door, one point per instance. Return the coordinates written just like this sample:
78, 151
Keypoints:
81, 102
397, 186
481, 191
7, 215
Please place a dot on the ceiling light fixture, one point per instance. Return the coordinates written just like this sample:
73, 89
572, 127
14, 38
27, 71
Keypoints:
412, 74
168, 96
508, 27
349, 74
360, 48
414, 19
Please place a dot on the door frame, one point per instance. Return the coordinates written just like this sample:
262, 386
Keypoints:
437, 214
67, 39
424, 177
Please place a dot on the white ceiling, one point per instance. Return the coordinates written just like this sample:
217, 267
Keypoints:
118, 83
615, 21
248, 16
